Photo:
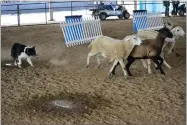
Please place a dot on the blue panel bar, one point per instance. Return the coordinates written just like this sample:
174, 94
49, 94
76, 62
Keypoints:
139, 22
74, 32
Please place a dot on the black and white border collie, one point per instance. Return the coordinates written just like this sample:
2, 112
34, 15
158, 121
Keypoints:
20, 51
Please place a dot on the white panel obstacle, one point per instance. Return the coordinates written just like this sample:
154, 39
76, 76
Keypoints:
147, 21
79, 31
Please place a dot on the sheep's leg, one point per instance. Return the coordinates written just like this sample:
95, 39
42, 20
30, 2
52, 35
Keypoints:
130, 61
113, 67
161, 61
165, 43
149, 66
144, 63
156, 62
164, 61
98, 61
155, 59
167, 65
123, 67
88, 58
172, 47
161, 55
113, 71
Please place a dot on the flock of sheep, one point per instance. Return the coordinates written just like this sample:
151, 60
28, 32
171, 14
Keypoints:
146, 45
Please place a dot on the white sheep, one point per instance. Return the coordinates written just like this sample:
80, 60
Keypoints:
177, 31
113, 48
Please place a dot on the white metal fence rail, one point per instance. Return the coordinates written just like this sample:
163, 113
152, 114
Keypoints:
82, 31
148, 21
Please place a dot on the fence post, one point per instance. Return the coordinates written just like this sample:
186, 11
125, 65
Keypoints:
71, 8
135, 5
45, 13
18, 15
51, 11
86, 9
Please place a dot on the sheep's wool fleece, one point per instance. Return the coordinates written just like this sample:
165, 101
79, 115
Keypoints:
147, 34
112, 48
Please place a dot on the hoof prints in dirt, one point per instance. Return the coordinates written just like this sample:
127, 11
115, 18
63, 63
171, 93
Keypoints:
65, 104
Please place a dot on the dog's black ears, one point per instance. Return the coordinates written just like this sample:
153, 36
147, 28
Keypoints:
33, 47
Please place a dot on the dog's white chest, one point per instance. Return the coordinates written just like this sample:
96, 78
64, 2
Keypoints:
23, 55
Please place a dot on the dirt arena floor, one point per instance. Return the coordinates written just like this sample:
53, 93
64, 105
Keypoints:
60, 74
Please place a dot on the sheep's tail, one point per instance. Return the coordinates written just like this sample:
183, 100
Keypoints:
93, 42
90, 44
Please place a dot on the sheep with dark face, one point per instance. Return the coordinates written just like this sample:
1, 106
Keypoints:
169, 43
150, 49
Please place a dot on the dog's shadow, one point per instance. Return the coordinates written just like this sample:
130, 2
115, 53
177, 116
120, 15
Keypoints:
10, 65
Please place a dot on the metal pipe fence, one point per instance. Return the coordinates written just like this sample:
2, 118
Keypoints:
45, 9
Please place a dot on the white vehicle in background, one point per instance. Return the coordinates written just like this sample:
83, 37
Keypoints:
109, 10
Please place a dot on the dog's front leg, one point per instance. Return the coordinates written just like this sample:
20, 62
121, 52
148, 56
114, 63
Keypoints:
15, 62
30, 62
19, 62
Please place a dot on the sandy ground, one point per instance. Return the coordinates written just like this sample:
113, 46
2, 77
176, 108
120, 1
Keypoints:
60, 73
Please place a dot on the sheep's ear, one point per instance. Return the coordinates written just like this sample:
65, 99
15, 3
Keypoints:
174, 25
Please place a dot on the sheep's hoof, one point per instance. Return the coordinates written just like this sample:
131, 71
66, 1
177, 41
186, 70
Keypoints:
98, 66
19, 67
87, 66
126, 77
177, 55
149, 71
163, 73
129, 74
110, 75
169, 67
157, 68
